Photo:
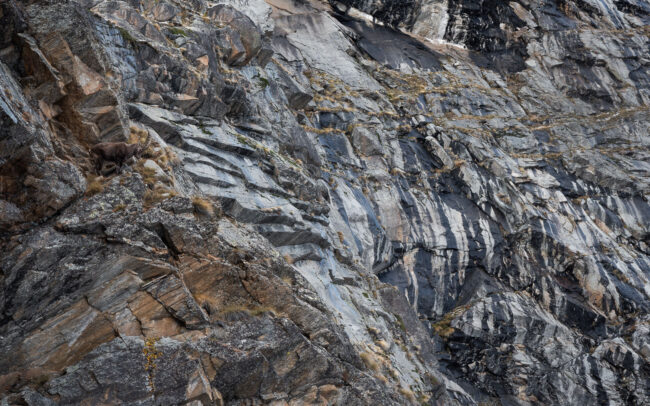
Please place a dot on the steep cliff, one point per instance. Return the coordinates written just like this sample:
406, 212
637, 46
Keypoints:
438, 202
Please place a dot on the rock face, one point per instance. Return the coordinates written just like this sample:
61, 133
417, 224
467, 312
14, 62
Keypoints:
444, 204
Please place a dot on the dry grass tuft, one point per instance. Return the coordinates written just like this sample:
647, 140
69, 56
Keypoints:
381, 378
119, 207
94, 185
370, 361
407, 393
157, 195
203, 206
148, 175
320, 131
443, 327
288, 259
248, 309
384, 345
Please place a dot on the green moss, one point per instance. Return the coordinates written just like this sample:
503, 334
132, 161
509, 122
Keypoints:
262, 82
243, 140
400, 322
128, 38
178, 31
203, 129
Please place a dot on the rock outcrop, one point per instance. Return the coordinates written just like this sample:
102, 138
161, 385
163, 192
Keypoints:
355, 202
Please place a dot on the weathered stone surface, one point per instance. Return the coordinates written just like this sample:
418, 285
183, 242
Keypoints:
163, 11
244, 36
329, 211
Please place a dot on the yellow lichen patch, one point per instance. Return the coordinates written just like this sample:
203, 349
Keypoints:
151, 354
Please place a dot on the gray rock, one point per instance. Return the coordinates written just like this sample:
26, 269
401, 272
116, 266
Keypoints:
330, 211
244, 37
163, 11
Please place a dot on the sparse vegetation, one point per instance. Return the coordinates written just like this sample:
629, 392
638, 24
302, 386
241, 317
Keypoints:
370, 361
407, 393
157, 195
443, 327
325, 130
203, 206
384, 345
400, 322
381, 378
373, 330
40, 380
288, 259
262, 82
148, 175
203, 129
128, 38
253, 310
178, 31
620, 276
119, 207
432, 379
94, 185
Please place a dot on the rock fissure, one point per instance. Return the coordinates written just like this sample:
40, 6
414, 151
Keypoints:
488, 160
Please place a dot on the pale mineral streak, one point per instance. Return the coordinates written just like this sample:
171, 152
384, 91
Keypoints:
359, 202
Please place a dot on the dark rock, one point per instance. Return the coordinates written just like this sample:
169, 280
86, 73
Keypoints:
446, 205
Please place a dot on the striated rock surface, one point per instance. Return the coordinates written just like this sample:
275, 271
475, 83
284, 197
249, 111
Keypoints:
354, 203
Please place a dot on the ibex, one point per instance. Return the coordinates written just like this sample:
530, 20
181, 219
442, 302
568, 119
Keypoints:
117, 152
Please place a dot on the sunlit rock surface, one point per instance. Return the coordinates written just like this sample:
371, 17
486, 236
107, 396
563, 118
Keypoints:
354, 203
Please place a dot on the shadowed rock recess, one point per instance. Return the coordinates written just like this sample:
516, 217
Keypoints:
377, 202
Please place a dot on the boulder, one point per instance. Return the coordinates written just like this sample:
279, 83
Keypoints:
163, 11
242, 39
